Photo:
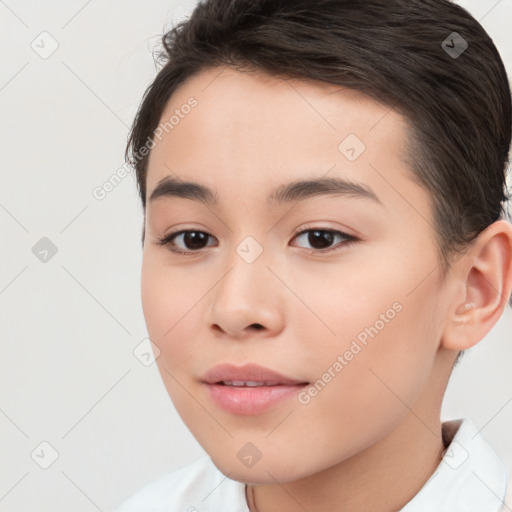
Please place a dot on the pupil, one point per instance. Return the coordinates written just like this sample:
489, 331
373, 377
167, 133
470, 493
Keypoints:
192, 238
324, 237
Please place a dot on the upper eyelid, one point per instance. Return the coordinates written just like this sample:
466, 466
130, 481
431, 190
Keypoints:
304, 227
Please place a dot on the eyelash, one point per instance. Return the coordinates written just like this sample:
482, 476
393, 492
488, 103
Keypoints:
166, 240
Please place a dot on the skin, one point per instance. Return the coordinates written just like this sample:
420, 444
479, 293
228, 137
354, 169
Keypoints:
376, 425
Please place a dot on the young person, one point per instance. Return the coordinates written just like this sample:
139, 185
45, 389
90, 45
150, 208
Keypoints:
324, 193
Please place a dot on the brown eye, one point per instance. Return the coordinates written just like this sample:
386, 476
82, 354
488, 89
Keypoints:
321, 240
194, 241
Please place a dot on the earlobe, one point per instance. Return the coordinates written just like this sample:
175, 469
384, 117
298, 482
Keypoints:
486, 277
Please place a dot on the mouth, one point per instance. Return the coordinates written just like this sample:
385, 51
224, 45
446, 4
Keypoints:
249, 389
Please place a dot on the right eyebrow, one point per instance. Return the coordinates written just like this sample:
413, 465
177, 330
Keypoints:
170, 187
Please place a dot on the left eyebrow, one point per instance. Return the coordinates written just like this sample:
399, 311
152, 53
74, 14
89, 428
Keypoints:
300, 190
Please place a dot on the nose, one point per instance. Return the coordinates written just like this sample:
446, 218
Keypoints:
247, 301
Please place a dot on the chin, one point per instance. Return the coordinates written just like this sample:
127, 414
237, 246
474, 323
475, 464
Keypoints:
262, 472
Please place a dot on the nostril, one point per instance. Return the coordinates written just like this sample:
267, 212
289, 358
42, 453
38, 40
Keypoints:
257, 326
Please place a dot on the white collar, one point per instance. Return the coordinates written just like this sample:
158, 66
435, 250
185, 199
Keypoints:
470, 477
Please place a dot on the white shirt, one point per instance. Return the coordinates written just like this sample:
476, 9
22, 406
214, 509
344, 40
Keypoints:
470, 478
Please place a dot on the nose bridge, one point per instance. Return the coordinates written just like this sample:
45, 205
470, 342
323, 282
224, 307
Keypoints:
245, 294
246, 276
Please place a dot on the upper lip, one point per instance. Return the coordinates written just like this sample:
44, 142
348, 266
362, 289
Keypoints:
248, 372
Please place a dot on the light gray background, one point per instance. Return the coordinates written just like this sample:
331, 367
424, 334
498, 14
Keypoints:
69, 326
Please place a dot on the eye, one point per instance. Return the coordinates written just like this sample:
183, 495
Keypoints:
194, 241
321, 239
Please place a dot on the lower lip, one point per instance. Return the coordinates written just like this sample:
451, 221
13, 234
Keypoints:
251, 400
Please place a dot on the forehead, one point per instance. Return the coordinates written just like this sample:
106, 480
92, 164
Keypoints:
252, 131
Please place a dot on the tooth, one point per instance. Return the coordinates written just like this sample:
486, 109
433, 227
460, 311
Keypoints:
248, 383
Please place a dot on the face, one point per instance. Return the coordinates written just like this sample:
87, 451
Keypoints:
332, 289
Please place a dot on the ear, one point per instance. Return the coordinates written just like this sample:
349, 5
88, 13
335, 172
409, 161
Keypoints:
485, 274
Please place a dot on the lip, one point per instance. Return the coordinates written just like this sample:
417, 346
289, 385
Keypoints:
249, 400
247, 372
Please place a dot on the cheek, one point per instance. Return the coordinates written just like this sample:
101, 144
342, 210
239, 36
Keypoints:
162, 302
362, 397
165, 306
156, 297
380, 342
171, 303
340, 302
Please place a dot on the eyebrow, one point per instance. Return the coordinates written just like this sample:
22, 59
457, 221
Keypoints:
171, 187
